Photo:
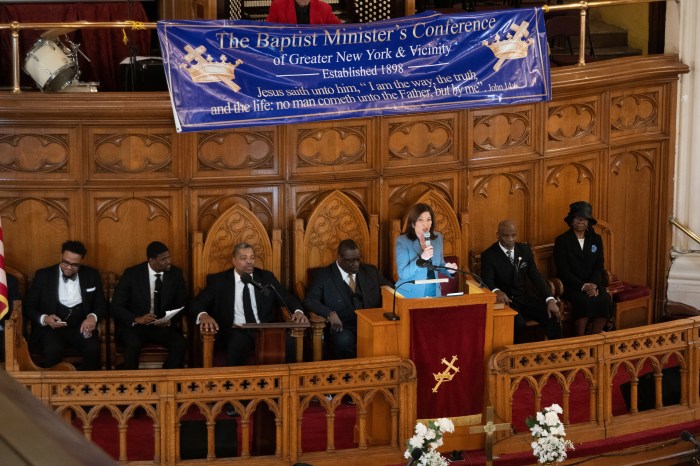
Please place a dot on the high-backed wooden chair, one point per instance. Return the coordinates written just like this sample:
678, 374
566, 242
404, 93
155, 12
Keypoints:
454, 234
334, 218
632, 303
238, 224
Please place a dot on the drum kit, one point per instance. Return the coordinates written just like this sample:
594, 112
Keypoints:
53, 65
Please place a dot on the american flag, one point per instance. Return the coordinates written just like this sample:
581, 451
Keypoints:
4, 305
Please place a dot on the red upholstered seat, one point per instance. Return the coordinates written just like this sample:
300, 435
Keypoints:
451, 286
630, 291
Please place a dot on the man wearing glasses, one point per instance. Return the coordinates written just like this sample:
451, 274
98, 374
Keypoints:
64, 305
338, 290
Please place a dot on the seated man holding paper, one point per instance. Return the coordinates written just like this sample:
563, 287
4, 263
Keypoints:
243, 294
145, 294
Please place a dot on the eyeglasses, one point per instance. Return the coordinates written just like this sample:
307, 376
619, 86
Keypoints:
351, 259
71, 265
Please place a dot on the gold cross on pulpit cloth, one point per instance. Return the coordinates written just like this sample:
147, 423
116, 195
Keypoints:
489, 429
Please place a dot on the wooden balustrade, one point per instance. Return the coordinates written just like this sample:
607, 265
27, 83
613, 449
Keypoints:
167, 396
591, 371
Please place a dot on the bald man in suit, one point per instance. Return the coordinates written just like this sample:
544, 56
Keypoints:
505, 268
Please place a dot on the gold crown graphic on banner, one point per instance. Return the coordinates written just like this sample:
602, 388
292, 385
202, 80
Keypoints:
512, 47
206, 70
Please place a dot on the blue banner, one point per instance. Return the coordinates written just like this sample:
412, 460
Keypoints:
226, 74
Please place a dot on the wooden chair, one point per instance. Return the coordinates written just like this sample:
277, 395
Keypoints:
632, 303
454, 234
17, 356
334, 218
238, 224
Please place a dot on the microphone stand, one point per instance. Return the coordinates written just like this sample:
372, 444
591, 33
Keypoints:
392, 315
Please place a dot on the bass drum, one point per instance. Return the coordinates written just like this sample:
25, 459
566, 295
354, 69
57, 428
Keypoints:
49, 65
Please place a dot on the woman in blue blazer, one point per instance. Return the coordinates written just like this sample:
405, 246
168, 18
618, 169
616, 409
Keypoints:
419, 245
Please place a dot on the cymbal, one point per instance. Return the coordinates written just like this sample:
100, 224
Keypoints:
53, 34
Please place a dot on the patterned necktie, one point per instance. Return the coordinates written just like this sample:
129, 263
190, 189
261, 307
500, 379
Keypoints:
156, 294
248, 306
510, 256
351, 282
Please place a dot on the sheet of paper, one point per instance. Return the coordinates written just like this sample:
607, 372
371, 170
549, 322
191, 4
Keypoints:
168, 315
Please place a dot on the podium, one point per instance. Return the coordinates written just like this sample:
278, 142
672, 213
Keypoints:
451, 380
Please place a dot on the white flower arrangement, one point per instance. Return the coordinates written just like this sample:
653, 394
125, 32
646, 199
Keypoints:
428, 439
549, 445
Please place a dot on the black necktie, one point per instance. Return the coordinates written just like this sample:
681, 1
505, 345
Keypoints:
156, 295
71, 278
248, 306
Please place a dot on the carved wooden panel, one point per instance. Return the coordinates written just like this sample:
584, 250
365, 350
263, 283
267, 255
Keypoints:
497, 194
335, 217
420, 140
632, 210
34, 152
503, 131
139, 152
339, 147
400, 194
125, 222
236, 225
238, 153
567, 180
34, 225
208, 204
574, 123
635, 111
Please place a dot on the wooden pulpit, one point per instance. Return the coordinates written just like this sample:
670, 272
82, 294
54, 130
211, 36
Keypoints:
472, 315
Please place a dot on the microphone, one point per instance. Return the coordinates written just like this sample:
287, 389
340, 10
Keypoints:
688, 437
415, 456
426, 235
248, 279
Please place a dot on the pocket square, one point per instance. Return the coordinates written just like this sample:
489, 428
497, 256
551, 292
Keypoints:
90, 290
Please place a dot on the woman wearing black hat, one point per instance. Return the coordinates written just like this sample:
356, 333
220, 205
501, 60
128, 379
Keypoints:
578, 255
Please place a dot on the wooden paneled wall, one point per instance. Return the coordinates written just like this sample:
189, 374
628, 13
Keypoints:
110, 169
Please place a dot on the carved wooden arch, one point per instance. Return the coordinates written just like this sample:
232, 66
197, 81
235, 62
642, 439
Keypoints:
335, 218
453, 229
236, 225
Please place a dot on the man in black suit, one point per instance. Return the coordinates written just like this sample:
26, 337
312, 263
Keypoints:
142, 296
339, 289
227, 300
64, 304
12, 295
505, 266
